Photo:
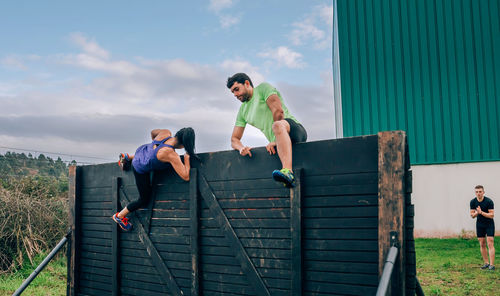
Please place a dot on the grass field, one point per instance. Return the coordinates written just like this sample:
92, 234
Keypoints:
50, 282
444, 267
451, 267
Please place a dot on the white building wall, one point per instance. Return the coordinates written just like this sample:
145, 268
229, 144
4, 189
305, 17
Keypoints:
442, 193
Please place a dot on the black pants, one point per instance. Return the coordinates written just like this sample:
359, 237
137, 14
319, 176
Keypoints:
143, 182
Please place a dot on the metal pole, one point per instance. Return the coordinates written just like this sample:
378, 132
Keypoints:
42, 265
387, 273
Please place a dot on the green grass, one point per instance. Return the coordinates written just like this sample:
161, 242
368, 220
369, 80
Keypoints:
444, 267
50, 282
451, 267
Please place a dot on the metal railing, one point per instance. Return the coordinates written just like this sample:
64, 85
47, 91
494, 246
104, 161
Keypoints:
42, 265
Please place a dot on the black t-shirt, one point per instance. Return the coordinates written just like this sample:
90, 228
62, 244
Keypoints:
486, 204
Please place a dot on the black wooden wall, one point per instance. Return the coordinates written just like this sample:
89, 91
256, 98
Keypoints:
232, 230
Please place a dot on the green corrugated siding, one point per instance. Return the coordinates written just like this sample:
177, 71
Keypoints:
429, 67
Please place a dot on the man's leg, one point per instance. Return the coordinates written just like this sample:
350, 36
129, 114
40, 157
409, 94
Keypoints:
491, 249
283, 143
484, 251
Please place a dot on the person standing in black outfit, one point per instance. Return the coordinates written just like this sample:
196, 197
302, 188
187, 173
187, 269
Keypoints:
482, 207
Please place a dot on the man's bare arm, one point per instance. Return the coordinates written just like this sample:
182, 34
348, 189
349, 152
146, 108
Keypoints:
274, 104
236, 141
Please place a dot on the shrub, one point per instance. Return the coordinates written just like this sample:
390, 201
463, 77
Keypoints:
33, 218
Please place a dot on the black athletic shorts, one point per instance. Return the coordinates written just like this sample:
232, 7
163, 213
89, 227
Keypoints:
297, 131
483, 230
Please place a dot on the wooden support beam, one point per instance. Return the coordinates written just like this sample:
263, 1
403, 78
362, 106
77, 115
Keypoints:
74, 222
235, 244
391, 200
296, 233
194, 215
115, 238
156, 258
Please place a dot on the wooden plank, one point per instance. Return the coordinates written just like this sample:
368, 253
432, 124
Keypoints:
313, 287
151, 271
96, 205
333, 233
240, 253
96, 234
95, 277
296, 233
343, 223
115, 238
96, 249
391, 210
255, 203
96, 285
96, 264
95, 256
194, 235
342, 278
269, 223
341, 201
343, 267
365, 211
102, 194
153, 253
341, 245
253, 193
167, 256
171, 204
108, 227
252, 252
173, 248
361, 189
91, 291
144, 287
170, 222
250, 233
96, 270
74, 178
224, 288
342, 256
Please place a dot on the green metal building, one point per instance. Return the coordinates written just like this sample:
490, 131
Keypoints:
429, 67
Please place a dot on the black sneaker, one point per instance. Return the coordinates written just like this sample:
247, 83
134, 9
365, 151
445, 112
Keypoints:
491, 267
486, 266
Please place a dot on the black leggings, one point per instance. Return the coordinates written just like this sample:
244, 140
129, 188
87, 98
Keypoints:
144, 186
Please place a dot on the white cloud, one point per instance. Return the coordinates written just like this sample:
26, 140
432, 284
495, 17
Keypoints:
218, 5
89, 46
284, 57
227, 21
238, 65
326, 14
315, 28
18, 62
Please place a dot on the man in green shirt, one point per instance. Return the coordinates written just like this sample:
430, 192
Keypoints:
263, 108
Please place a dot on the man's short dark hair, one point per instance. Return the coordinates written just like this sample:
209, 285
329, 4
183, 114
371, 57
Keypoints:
479, 187
238, 77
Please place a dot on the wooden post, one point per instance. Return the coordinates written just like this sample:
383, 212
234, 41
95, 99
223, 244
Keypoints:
194, 215
74, 219
391, 200
296, 233
115, 239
